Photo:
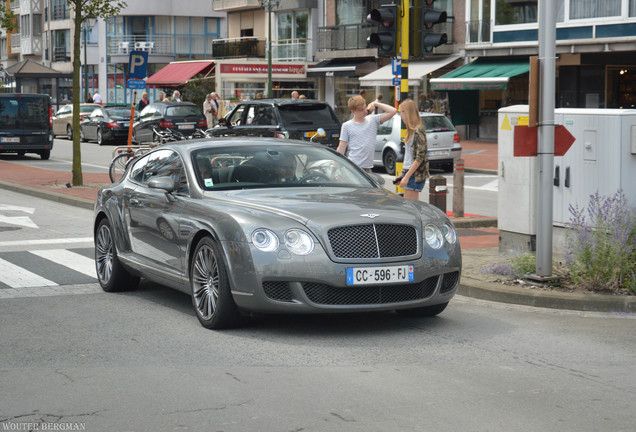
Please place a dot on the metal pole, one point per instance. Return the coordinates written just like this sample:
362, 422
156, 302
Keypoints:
85, 65
269, 49
545, 134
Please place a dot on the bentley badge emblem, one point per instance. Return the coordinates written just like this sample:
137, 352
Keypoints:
370, 215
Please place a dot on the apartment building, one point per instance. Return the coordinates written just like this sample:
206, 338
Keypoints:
595, 48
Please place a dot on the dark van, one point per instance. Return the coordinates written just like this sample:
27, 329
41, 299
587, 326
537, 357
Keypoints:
25, 124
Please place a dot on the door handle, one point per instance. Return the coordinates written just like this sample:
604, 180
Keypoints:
566, 183
556, 180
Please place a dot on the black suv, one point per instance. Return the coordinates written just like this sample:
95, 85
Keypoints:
184, 117
281, 118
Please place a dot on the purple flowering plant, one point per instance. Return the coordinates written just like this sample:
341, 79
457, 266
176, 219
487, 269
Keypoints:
601, 244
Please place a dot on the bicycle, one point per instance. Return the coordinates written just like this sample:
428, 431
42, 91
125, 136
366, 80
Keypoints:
121, 157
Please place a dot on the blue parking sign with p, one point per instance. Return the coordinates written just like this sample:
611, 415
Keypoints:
137, 64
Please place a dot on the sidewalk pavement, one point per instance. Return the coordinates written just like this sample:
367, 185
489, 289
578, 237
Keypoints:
478, 235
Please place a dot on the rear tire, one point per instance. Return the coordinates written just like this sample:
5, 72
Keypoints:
112, 276
389, 159
427, 311
45, 154
211, 296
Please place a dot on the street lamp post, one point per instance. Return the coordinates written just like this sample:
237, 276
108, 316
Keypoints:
87, 25
269, 5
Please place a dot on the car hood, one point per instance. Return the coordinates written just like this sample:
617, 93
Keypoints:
326, 207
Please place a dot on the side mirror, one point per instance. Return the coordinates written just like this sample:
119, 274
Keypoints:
163, 182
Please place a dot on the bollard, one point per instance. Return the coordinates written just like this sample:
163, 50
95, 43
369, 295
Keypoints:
437, 192
458, 189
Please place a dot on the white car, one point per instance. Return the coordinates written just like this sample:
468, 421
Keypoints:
443, 142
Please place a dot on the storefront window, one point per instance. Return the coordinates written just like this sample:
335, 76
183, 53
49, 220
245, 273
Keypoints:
515, 12
580, 9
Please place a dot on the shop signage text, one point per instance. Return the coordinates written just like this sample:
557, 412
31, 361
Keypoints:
262, 69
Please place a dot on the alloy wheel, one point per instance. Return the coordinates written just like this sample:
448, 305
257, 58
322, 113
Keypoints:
104, 254
205, 282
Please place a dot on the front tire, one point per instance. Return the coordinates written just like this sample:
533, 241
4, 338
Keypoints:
427, 311
100, 137
211, 296
112, 276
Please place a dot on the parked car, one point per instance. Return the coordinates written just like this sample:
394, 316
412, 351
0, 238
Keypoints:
282, 118
182, 116
25, 124
63, 118
106, 124
265, 225
443, 142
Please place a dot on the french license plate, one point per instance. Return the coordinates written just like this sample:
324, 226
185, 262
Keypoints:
379, 275
186, 126
438, 153
10, 139
125, 124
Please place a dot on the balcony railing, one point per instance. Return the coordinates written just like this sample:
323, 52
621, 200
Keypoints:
239, 47
59, 12
478, 31
161, 44
344, 37
60, 54
292, 50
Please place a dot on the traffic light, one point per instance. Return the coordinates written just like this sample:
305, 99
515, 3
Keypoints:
386, 17
430, 17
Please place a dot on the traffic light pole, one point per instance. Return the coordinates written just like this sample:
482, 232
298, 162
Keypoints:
404, 51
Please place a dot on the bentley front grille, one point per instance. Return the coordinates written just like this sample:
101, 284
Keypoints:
373, 241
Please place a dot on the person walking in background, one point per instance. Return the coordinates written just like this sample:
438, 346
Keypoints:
415, 168
176, 96
208, 110
302, 97
143, 102
359, 133
294, 94
378, 99
161, 97
97, 98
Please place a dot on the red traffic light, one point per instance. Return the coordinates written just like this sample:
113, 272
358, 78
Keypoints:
384, 16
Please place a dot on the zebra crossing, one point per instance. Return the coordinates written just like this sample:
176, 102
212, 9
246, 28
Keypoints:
46, 272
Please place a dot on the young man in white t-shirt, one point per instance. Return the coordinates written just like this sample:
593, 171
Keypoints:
359, 133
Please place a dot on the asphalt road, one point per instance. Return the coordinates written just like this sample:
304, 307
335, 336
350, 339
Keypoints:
140, 361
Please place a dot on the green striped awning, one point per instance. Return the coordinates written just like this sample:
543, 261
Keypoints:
481, 74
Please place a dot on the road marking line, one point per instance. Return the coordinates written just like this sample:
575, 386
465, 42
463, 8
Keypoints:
17, 277
69, 259
47, 241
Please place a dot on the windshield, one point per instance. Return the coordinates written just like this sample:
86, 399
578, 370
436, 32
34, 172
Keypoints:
183, 111
119, 112
437, 124
87, 109
24, 113
315, 115
274, 166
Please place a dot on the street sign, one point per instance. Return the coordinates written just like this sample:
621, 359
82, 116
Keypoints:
525, 141
397, 80
137, 64
136, 84
396, 66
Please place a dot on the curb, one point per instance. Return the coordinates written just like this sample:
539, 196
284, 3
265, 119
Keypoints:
49, 195
474, 222
480, 171
547, 299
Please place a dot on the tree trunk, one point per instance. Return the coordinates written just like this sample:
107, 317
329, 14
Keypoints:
77, 150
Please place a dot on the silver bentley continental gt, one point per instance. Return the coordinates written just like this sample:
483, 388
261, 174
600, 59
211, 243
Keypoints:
260, 225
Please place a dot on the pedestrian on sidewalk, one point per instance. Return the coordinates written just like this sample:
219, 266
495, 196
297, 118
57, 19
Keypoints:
359, 133
415, 168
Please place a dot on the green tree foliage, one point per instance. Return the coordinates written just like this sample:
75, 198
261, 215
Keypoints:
7, 19
83, 10
196, 90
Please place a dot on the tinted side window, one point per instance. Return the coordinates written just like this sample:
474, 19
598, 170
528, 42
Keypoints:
317, 114
137, 170
166, 163
386, 127
264, 116
237, 114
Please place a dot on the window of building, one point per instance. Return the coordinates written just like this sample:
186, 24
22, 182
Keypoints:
59, 10
632, 8
580, 9
293, 25
37, 24
350, 12
515, 12
61, 45
25, 26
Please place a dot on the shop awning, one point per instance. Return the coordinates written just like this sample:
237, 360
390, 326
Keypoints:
417, 70
341, 67
179, 73
482, 74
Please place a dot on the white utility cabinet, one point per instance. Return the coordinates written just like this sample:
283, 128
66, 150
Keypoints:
602, 159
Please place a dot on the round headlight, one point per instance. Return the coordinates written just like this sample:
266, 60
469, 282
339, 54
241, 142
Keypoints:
433, 236
265, 240
449, 233
299, 242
